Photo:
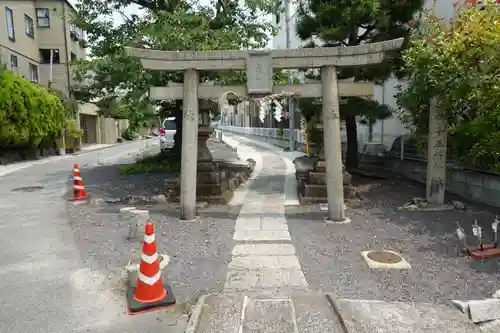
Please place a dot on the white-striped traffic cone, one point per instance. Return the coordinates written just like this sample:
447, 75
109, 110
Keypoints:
150, 293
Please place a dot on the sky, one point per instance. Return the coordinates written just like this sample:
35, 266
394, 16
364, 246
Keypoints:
134, 9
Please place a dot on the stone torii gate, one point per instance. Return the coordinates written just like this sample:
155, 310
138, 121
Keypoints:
259, 65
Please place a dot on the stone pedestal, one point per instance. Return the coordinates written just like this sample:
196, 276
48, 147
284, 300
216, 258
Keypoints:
311, 177
204, 132
215, 180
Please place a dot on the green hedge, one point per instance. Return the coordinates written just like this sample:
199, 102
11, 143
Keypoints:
28, 112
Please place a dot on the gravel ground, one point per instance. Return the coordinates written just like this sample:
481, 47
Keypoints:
199, 251
331, 260
106, 180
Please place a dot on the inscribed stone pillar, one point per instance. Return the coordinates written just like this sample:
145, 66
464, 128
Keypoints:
436, 156
189, 145
331, 137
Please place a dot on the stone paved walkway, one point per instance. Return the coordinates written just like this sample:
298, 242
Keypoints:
263, 257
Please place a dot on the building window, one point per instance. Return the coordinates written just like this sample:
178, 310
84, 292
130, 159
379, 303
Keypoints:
14, 63
34, 73
73, 56
30, 26
10, 24
42, 18
45, 56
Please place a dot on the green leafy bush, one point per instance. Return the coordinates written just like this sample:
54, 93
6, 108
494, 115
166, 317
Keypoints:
28, 112
165, 162
129, 134
459, 63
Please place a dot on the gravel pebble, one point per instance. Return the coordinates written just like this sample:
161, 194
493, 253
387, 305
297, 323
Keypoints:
331, 260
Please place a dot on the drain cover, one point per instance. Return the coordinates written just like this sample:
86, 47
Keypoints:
28, 189
384, 257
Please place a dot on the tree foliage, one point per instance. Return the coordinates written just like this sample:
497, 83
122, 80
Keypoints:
28, 112
353, 22
459, 63
175, 25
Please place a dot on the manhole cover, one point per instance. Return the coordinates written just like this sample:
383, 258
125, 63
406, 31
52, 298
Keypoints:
28, 189
384, 257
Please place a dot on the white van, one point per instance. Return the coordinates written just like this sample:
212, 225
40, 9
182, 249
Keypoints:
167, 132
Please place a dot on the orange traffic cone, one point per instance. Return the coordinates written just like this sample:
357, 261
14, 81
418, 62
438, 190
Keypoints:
79, 192
150, 293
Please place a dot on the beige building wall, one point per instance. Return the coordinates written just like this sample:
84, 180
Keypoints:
22, 46
54, 32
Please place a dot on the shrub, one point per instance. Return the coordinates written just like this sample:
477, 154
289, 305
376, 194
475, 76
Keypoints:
28, 112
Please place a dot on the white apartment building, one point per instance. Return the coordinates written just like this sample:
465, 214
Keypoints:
383, 131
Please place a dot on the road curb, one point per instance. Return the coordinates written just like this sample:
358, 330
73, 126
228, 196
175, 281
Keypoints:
194, 319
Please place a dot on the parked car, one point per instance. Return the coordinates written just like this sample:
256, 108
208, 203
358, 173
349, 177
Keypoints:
167, 132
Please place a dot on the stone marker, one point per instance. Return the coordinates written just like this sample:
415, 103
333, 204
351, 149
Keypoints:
496, 294
138, 223
484, 310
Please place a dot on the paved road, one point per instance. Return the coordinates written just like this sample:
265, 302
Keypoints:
45, 286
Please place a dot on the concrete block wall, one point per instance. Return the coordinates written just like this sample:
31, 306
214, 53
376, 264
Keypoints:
473, 185
109, 130
122, 125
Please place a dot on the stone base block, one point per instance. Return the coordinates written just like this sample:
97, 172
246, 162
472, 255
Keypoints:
210, 177
319, 191
206, 166
320, 166
319, 178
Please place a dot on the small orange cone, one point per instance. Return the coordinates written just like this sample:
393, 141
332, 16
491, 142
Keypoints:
150, 293
79, 192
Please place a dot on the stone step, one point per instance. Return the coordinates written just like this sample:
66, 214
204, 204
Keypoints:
249, 313
313, 312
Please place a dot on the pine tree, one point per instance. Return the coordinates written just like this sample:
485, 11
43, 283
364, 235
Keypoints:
354, 22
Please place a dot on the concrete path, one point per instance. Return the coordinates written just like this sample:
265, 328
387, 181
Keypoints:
46, 286
263, 257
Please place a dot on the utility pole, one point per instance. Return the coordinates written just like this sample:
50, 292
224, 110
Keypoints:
290, 100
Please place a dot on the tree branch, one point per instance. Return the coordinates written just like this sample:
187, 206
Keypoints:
125, 17
365, 34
